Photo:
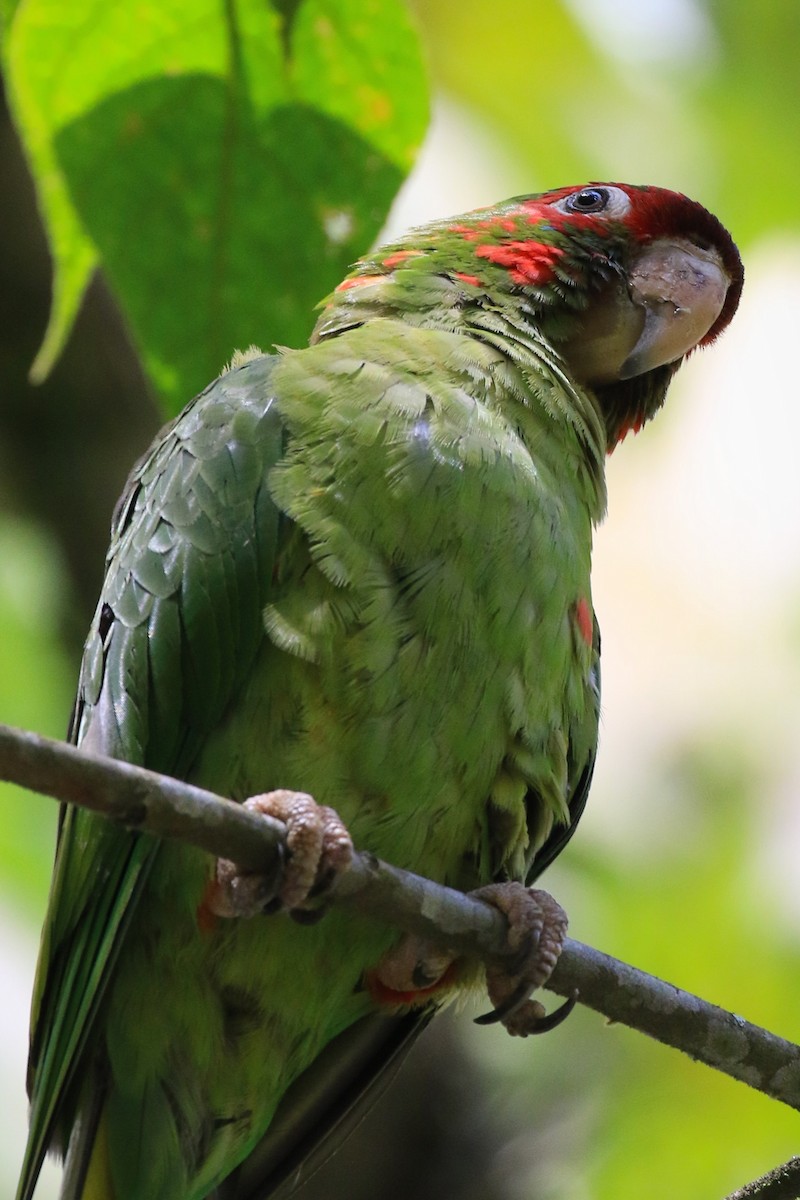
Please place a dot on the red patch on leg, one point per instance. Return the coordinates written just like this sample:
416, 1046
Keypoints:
386, 997
471, 279
205, 916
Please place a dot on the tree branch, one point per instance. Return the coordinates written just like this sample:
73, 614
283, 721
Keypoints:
146, 802
783, 1183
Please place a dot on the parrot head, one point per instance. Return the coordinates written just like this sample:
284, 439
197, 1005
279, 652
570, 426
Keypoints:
618, 283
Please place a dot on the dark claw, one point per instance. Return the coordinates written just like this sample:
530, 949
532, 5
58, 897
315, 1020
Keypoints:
557, 1017
541, 1025
517, 997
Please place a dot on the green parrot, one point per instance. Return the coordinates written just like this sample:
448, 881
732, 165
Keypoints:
359, 571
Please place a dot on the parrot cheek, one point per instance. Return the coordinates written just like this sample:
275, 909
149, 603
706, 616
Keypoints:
682, 288
605, 337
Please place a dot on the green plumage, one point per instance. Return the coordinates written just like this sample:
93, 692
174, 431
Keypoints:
359, 570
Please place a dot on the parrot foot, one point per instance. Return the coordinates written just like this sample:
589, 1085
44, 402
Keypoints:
537, 930
416, 970
318, 848
410, 972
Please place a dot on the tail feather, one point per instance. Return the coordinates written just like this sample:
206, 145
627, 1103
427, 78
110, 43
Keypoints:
87, 1172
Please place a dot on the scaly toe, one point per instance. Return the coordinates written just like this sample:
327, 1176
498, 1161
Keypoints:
318, 849
536, 934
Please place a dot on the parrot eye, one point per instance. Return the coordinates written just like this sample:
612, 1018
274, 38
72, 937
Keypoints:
596, 199
589, 200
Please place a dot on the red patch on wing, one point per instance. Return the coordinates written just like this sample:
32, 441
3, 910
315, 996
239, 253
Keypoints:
357, 281
386, 997
584, 620
526, 262
472, 279
393, 260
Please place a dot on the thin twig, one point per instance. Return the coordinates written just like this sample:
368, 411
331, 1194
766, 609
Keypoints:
783, 1183
149, 803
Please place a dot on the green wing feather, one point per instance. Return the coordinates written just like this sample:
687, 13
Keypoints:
193, 548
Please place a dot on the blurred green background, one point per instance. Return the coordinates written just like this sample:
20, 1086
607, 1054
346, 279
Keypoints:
687, 860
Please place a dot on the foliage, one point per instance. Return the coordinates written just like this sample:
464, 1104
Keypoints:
698, 95
225, 163
35, 690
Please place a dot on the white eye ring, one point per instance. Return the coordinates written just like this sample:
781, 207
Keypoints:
595, 200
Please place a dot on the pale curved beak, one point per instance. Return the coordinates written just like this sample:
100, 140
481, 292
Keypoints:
681, 287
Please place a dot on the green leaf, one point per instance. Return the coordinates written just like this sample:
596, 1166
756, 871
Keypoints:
358, 61
224, 186
63, 59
